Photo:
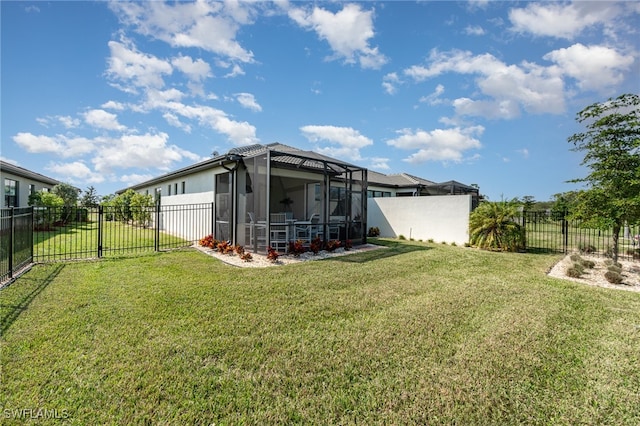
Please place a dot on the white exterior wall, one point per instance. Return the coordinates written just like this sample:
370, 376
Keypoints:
200, 182
443, 218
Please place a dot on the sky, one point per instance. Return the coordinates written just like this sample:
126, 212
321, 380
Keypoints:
109, 94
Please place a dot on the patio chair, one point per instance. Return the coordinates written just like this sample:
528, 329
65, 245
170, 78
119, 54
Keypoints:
307, 230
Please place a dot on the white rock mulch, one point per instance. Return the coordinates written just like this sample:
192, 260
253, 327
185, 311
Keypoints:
261, 261
595, 276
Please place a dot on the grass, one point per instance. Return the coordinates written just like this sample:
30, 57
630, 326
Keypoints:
417, 333
80, 240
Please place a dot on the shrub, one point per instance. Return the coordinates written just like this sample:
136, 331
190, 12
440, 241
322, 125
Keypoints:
272, 255
333, 245
239, 250
609, 262
590, 264
586, 248
614, 268
613, 277
374, 231
578, 266
296, 248
348, 245
316, 245
430, 240
209, 242
246, 257
573, 272
225, 247
575, 257
402, 237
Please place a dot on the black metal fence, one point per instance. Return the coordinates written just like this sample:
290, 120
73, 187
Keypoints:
547, 232
16, 240
34, 234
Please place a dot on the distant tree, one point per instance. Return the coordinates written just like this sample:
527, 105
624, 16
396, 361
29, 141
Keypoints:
89, 198
48, 208
612, 153
68, 193
140, 207
494, 226
122, 205
563, 204
528, 201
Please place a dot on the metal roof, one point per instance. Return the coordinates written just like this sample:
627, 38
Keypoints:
21, 171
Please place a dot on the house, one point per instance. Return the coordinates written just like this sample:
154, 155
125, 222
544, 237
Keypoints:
19, 183
406, 185
269, 195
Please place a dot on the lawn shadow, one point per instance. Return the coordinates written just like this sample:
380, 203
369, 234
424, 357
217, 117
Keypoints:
9, 312
389, 248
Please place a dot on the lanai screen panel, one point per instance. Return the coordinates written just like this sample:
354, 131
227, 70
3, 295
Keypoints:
253, 203
223, 207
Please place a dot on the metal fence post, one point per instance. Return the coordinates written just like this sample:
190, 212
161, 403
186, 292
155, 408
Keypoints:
11, 239
100, 219
156, 244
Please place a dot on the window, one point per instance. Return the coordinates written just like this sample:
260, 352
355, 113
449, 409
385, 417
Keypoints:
10, 193
169, 189
175, 188
377, 194
32, 188
184, 187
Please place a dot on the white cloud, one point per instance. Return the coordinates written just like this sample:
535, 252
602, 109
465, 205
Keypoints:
248, 101
595, 68
197, 70
475, 30
239, 133
346, 141
38, 144
562, 20
102, 119
133, 68
535, 88
174, 120
118, 106
147, 151
69, 122
390, 83
347, 32
434, 98
438, 144
379, 163
75, 172
135, 178
211, 26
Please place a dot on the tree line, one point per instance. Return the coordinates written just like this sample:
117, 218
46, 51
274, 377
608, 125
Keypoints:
65, 203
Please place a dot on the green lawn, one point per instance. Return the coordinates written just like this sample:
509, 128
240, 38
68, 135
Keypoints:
79, 240
411, 334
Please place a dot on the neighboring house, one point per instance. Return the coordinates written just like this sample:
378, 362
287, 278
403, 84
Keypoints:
406, 185
19, 183
268, 195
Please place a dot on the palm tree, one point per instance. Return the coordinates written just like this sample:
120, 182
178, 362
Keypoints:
494, 226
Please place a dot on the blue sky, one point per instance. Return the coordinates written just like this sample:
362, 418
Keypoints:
113, 93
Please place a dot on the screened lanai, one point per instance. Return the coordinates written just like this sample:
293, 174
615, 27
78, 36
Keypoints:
271, 195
